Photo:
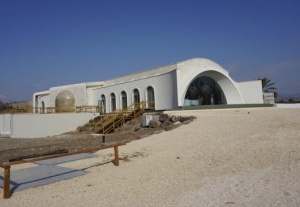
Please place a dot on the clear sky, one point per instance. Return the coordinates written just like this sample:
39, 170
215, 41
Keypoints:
47, 43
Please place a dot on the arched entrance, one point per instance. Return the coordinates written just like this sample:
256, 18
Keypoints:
204, 90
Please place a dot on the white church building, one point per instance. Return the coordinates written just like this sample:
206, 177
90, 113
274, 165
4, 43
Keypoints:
193, 82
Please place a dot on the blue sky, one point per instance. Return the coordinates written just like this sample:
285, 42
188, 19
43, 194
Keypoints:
47, 43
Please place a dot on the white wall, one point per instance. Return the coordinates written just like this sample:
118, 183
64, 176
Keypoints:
295, 105
164, 91
43, 125
5, 123
251, 92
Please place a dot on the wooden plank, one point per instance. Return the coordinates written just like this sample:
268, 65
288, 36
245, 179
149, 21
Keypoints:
116, 156
6, 186
60, 155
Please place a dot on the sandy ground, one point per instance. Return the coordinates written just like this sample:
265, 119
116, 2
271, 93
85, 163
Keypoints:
236, 157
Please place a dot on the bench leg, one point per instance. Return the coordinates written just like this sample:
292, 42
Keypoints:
116, 156
6, 187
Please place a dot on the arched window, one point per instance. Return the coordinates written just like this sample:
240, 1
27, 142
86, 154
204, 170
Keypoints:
102, 104
124, 99
136, 98
150, 97
113, 102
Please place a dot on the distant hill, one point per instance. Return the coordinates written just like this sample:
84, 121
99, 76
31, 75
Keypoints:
285, 97
21, 104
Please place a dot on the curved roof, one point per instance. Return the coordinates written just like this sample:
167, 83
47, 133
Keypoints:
203, 62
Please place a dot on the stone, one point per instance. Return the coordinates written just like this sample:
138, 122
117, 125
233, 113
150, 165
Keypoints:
182, 119
186, 122
167, 125
168, 128
154, 124
163, 117
174, 119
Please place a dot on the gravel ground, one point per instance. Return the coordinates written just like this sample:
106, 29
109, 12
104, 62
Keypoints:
236, 157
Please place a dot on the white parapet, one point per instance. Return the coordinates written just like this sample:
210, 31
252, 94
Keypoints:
288, 106
5, 125
44, 125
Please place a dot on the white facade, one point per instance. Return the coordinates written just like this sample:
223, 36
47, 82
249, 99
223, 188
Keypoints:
170, 83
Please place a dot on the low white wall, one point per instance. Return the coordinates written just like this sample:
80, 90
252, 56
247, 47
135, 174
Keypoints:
296, 105
43, 125
251, 92
5, 124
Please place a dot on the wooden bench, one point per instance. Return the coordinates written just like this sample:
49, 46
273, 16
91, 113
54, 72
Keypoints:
7, 165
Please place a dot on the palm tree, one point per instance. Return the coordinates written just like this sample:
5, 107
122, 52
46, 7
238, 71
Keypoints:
267, 85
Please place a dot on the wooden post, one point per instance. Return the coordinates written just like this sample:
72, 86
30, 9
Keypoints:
6, 187
116, 156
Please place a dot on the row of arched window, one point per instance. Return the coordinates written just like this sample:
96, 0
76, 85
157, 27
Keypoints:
123, 99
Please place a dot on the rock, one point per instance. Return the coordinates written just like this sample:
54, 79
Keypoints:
163, 117
174, 119
168, 128
183, 118
186, 122
167, 125
154, 123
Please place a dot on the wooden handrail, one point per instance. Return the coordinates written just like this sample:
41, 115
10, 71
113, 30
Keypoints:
118, 117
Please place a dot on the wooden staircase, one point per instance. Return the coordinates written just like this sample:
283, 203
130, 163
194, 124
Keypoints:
118, 118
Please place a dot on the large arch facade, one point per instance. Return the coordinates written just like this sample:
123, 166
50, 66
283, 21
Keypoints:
227, 86
191, 70
204, 91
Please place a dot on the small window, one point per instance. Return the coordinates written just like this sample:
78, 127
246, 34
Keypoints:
136, 98
113, 101
150, 97
124, 99
102, 104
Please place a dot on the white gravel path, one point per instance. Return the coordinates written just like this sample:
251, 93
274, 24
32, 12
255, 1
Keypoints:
236, 157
